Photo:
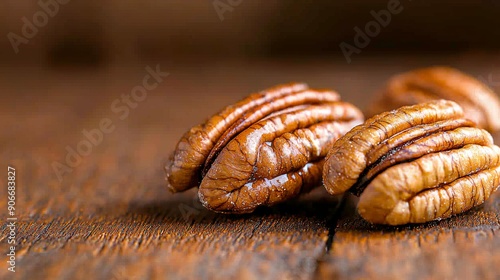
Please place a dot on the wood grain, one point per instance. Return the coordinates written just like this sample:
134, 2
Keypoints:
466, 246
111, 217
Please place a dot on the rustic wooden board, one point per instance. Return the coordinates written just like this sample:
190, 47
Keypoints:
111, 216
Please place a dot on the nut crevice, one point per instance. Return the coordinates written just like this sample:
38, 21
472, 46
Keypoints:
290, 159
282, 104
451, 137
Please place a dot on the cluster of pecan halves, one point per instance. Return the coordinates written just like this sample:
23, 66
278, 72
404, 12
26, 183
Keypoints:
424, 161
263, 150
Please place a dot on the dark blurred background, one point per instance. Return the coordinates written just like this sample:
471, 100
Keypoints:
64, 62
99, 32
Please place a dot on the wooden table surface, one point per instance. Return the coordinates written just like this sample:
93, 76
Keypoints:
109, 216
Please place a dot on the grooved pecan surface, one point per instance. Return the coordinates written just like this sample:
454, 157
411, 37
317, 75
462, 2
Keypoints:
479, 102
414, 164
262, 150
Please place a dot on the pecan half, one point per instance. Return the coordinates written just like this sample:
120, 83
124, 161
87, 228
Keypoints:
414, 164
479, 102
263, 150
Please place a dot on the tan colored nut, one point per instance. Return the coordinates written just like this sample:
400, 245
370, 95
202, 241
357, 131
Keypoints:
480, 103
263, 150
414, 164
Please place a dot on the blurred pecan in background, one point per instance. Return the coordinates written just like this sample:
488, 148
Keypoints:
414, 164
265, 149
479, 102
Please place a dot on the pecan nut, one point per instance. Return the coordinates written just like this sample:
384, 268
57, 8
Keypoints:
414, 164
479, 102
263, 150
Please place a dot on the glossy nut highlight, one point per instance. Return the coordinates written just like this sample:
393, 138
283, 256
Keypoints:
479, 102
263, 150
414, 164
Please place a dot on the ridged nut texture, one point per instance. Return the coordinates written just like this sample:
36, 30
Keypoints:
414, 164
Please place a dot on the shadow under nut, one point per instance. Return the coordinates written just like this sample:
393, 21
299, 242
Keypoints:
276, 158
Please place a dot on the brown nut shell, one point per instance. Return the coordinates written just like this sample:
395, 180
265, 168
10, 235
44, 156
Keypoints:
414, 164
480, 103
